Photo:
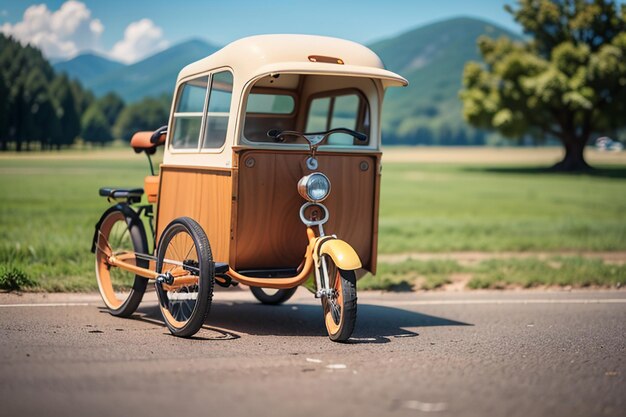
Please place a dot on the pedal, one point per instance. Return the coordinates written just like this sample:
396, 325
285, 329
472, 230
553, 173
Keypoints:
225, 281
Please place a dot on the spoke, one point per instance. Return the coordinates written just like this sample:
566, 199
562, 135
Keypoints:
121, 237
187, 304
189, 251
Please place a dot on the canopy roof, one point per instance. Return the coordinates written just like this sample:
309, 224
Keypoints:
259, 55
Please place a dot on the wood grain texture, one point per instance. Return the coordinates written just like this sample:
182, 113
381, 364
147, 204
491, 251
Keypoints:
267, 231
202, 194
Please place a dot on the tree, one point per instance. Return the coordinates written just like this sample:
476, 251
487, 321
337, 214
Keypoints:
567, 82
148, 114
111, 105
95, 126
4, 113
70, 128
37, 105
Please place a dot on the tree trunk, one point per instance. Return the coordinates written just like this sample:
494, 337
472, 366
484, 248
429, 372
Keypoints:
574, 159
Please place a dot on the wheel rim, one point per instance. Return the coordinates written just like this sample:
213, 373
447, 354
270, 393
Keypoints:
182, 301
114, 239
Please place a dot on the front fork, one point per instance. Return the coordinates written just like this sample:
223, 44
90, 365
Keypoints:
320, 265
322, 280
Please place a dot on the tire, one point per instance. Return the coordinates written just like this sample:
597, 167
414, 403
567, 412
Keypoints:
265, 296
341, 308
120, 230
185, 309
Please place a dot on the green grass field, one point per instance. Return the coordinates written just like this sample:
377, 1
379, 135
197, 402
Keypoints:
49, 207
447, 207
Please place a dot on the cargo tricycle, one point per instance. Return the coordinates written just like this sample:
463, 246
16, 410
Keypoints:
270, 174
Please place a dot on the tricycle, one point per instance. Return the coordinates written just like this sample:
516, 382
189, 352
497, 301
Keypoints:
258, 133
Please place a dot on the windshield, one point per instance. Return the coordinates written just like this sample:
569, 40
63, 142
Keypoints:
303, 108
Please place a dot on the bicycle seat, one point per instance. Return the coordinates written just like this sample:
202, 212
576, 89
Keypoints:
133, 195
148, 141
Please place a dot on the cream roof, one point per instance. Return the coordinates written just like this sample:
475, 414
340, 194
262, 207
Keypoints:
263, 54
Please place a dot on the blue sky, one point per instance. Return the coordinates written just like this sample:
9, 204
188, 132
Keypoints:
132, 28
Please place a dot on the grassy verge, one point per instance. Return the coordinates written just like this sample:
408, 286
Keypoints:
577, 272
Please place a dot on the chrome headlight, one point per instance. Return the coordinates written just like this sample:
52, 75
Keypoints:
314, 187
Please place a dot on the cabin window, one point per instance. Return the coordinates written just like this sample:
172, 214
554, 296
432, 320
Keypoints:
218, 110
266, 111
188, 114
270, 104
195, 100
348, 110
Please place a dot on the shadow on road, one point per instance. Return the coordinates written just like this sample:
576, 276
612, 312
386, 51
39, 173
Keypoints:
375, 324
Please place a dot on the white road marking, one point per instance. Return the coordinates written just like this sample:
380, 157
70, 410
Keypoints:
425, 407
512, 301
46, 305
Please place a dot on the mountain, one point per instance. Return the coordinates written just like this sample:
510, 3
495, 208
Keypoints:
87, 66
152, 76
432, 58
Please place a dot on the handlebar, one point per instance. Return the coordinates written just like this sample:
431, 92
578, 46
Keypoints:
314, 138
156, 136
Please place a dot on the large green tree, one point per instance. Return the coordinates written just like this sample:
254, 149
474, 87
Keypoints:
567, 81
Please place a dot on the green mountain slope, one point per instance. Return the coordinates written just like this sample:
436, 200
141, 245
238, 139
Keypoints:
432, 58
87, 66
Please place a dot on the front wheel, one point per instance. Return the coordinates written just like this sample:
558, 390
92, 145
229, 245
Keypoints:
184, 251
340, 305
273, 297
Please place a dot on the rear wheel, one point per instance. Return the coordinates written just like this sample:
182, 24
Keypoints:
121, 234
272, 296
184, 251
340, 305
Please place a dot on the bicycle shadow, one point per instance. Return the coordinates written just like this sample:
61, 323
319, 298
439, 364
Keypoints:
375, 323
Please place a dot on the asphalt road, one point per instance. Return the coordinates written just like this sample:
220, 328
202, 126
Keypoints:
521, 353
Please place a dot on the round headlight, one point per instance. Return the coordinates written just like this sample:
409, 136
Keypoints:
314, 187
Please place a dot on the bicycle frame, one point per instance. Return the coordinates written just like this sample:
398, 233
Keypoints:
341, 253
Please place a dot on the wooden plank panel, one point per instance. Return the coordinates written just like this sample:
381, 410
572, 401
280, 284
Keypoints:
205, 196
268, 230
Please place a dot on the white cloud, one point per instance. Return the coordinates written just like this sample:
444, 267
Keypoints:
141, 38
60, 34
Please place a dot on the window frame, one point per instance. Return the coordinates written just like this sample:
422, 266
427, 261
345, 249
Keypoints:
364, 109
205, 114
333, 94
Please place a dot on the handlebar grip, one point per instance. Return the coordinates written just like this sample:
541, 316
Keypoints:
157, 134
273, 133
